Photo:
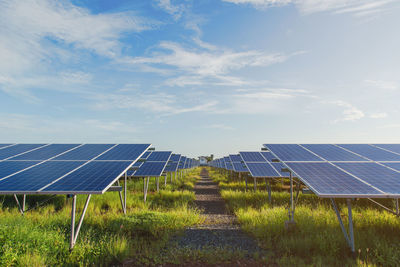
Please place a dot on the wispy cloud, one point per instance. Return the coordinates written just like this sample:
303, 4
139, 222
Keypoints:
196, 65
40, 37
379, 115
219, 127
350, 112
356, 7
175, 10
380, 84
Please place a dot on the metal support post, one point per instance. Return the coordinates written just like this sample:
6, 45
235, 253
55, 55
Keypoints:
19, 206
291, 211
125, 187
269, 191
120, 196
165, 180
146, 187
397, 207
75, 231
245, 180
349, 237
158, 183
255, 184
23, 203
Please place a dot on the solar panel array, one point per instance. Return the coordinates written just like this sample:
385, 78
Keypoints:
64, 168
154, 165
344, 170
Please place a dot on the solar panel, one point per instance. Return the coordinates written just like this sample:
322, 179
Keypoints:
159, 156
328, 181
391, 147
46, 152
35, 178
252, 157
332, 152
229, 166
292, 152
150, 169
17, 149
258, 169
4, 145
393, 165
129, 152
99, 175
371, 152
278, 166
377, 175
239, 167
268, 156
145, 155
171, 167
235, 158
9, 167
85, 152
175, 157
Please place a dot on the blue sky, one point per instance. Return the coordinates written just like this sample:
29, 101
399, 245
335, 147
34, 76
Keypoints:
200, 77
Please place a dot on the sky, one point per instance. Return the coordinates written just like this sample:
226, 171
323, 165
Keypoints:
200, 77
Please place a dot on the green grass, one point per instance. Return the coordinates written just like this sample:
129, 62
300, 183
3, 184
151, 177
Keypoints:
317, 239
41, 236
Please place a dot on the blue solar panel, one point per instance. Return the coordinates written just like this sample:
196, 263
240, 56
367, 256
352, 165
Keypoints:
393, 165
328, 181
159, 156
4, 145
371, 152
146, 155
252, 157
17, 149
258, 169
279, 166
239, 167
235, 158
229, 166
39, 176
391, 147
175, 157
99, 175
46, 152
332, 152
85, 152
376, 175
9, 167
171, 167
291, 152
268, 156
125, 152
151, 169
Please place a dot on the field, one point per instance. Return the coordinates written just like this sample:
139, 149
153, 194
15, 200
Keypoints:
41, 236
317, 239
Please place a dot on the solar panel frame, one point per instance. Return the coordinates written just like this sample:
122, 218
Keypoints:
47, 152
370, 152
252, 156
292, 153
18, 149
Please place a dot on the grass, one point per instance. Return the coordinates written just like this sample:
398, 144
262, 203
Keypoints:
317, 239
41, 236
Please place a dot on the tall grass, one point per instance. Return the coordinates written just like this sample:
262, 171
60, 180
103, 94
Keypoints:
41, 236
317, 239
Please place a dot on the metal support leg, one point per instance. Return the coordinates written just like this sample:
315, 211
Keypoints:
23, 203
349, 237
19, 206
146, 188
245, 180
269, 191
125, 187
291, 209
165, 181
75, 231
397, 207
120, 197
255, 184
158, 183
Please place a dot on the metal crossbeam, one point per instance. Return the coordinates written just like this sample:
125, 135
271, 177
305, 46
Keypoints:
75, 231
348, 236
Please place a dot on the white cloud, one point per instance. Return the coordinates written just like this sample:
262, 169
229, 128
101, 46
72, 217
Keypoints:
159, 103
195, 66
350, 112
356, 7
37, 36
219, 127
380, 115
175, 10
380, 84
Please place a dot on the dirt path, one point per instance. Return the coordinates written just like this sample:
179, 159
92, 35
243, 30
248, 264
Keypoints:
220, 229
